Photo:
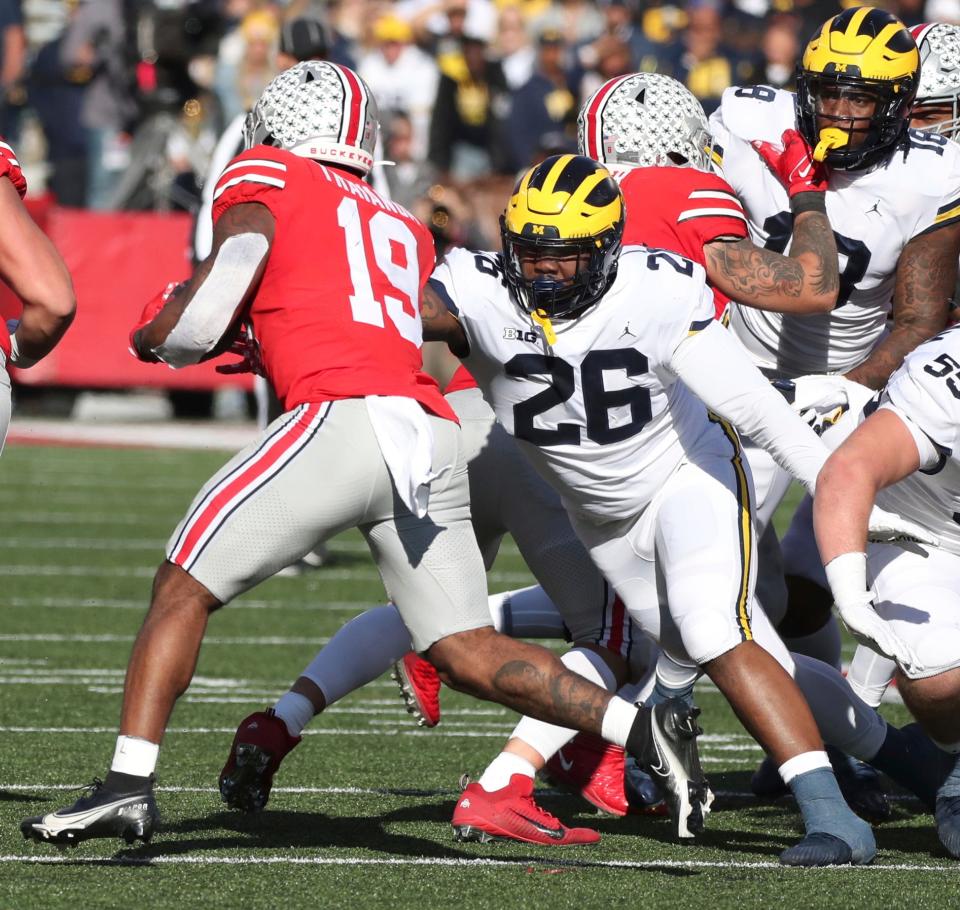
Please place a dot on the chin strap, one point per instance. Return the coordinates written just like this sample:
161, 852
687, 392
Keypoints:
543, 320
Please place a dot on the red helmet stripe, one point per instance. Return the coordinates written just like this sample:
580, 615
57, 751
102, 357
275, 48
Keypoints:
594, 130
355, 107
918, 31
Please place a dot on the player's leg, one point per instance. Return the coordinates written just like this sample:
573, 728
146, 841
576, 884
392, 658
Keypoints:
217, 552
918, 592
704, 542
433, 569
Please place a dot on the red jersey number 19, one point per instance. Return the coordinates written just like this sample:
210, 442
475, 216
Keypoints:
385, 231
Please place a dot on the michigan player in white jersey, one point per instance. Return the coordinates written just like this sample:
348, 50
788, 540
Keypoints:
579, 350
905, 455
893, 199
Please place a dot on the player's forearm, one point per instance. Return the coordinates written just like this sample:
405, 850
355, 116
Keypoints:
41, 327
815, 248
841, 507
889, 353
716, 369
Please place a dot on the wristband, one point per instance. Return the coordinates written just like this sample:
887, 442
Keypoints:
808, 201
847, 577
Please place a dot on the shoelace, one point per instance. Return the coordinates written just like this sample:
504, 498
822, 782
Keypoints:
540, 811
90, 789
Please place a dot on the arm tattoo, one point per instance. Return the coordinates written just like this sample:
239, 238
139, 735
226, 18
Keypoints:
926, 274
759, 277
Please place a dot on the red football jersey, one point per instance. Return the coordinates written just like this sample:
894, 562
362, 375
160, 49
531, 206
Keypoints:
681, 209
10, 167
337, 311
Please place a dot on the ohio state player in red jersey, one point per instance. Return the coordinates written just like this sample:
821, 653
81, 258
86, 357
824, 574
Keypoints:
31, 266
329, 274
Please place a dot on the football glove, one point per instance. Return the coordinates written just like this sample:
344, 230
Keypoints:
793, 164
822, 400
248, 348
888, 527
150, 311
846, 575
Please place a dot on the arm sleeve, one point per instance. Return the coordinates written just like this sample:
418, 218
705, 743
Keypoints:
717, 370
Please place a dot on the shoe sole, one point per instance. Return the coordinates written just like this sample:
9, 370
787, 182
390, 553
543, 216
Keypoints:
243, 788
470, 834
410, 700
129, 833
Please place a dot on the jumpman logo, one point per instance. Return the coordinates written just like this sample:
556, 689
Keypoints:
874, 209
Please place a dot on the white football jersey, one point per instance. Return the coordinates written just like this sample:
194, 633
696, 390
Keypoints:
925, 394
599, 410
874, 213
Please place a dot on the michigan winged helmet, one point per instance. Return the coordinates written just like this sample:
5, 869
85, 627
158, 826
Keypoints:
567, 206
862, 60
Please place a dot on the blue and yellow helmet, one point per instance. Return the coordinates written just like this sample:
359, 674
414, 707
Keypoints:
863, 51
567, 204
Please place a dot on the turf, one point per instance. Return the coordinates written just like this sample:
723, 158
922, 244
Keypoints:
360, 815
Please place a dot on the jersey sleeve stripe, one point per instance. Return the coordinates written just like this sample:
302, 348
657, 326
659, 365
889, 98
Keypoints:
710, 213
698, 326
440, 289
716, 154
945, 213
248, 178
716, 194
254, 162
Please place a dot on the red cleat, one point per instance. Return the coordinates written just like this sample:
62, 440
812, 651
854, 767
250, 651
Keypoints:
259, 745
594, 768
420, 687
511, 814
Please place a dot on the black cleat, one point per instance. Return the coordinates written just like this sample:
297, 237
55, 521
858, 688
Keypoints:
947, 817
663, 740
819, 849
98, 813
860, 786
766, 782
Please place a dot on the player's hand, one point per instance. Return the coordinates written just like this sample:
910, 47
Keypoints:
871, 630
150, 311
793, 164
821, 400
888, 527
248, 348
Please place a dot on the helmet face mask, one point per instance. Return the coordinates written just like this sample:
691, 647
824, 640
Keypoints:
855, 85
644, 120
561, 235
937, 107
317, 110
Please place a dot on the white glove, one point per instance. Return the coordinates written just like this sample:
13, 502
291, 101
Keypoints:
847, 576
822, 400
888, 527
871, 630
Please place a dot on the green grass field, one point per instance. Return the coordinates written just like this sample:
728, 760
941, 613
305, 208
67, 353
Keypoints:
360, 814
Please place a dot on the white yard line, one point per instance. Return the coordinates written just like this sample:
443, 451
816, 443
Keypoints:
461, 862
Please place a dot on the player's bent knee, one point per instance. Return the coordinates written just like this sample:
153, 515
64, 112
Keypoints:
707, 634
458, 659
808, 607
174, 588
937, 651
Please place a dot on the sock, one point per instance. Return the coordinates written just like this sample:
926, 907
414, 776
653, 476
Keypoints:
824, 644
951, 786
910, 758
360, 651
822, 806
295, 710
527, 613
502, 768
135, 757
674, 680
546, 738
618, 721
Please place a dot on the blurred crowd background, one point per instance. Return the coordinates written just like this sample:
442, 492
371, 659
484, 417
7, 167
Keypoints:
119, 104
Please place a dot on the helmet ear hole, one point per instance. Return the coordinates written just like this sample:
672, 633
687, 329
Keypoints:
678, 159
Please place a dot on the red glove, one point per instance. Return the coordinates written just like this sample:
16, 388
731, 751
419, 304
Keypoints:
794, 164
247, 346
154, 306
10, 167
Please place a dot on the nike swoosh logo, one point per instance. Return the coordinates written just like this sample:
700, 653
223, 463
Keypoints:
554, 833
54, 821
566, 765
